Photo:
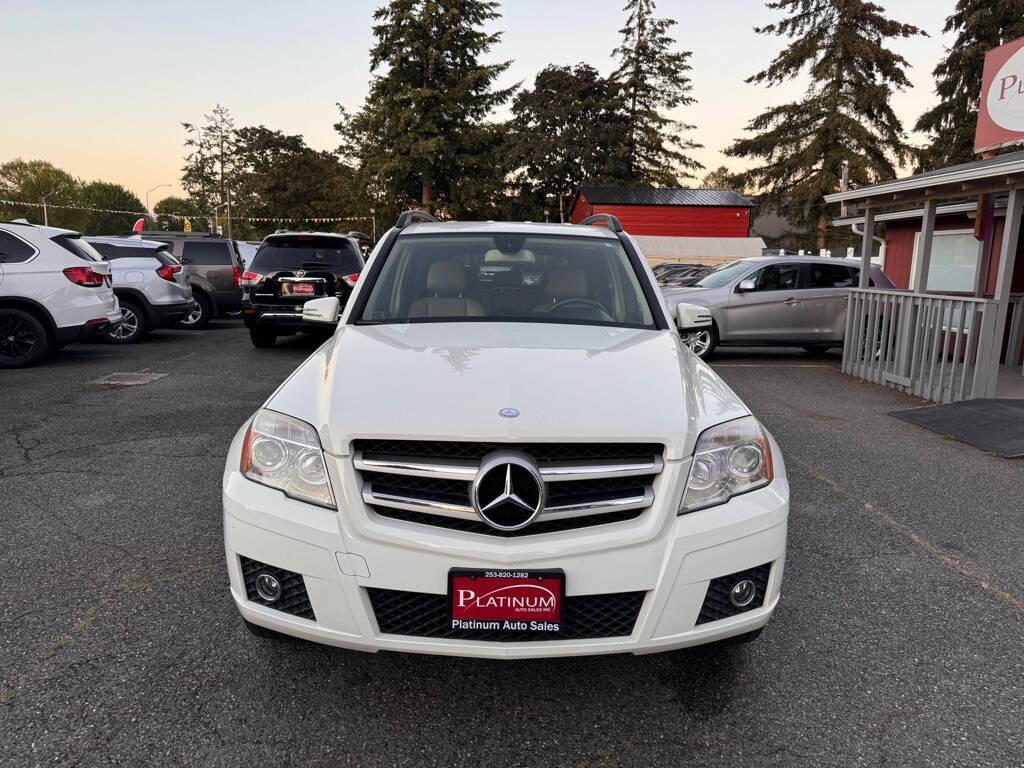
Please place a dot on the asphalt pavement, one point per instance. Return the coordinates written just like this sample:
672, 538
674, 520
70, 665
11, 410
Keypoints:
898, 640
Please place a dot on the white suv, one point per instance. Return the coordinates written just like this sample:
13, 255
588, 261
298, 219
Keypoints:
505, 450
54, 290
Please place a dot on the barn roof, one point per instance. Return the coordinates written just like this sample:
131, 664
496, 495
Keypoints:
664, 196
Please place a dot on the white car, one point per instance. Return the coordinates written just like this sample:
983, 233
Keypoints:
505, 450
55, 289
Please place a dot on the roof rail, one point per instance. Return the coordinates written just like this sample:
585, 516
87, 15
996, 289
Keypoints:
409, 217
607, 218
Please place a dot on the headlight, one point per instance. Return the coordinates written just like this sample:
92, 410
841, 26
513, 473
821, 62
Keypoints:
730, 459
285, 453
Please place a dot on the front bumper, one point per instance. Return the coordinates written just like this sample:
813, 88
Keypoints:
340, 555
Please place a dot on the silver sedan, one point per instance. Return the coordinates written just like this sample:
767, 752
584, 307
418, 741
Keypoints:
797, 301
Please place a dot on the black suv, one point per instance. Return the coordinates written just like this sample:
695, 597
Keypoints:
290, 268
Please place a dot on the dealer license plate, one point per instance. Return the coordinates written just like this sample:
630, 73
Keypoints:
506, 600
298, 289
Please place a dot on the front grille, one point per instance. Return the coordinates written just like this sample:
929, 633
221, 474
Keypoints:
293, 600
429, 482
583, 617
716, 602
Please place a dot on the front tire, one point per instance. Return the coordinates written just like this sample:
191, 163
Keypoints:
702, 343
23, 339
200, 315
262, 339
132, 327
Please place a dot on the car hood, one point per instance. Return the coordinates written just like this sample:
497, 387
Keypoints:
448, 381
703, 297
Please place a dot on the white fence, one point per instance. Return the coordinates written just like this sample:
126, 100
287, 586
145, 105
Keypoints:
936, 347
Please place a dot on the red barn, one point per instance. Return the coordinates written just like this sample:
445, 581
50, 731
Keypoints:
673, 212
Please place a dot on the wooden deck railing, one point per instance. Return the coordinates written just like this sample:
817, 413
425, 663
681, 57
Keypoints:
933, 346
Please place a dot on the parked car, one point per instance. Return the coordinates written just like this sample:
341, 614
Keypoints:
289, 269
215, 273
246, 250
55, 289
797, 301
151, 285
682, 276
468, 466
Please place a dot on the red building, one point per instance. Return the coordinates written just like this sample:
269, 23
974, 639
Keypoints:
673, 212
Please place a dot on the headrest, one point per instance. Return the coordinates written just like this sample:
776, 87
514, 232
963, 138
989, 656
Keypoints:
566, 283
446, 278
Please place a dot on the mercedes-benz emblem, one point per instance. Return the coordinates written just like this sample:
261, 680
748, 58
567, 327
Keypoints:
301, 273
508, 413
508, 491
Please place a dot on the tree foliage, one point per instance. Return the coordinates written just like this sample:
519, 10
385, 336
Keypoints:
845, 48
979, 26
105, 194
29, 180
568, 129
420, 133
210, 165
654, 80
173, 204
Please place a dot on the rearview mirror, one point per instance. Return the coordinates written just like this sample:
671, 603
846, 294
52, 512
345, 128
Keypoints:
746, 285
690, 318
324, 310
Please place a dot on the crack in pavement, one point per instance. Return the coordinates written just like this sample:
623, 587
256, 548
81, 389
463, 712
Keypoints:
905, 530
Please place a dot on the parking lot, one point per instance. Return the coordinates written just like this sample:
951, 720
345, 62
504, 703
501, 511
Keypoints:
897, 642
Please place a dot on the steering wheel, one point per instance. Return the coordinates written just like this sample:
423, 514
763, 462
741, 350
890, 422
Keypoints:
580, 302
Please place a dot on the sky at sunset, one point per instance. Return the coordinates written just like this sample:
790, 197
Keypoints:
100, 88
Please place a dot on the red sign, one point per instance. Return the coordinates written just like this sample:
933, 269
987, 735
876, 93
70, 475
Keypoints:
1001, 108
508, 601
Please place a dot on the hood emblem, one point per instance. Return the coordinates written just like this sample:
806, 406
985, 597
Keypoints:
301, 273
508, 492
508, 413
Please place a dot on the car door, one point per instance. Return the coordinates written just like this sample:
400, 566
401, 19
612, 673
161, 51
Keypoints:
824, 299
771, 312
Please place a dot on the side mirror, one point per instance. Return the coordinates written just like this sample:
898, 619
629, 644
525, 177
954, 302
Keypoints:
746, 285
322, 310
690, 318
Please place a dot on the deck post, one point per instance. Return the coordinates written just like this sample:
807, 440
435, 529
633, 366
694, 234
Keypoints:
923, 254
867, 245
1007, 257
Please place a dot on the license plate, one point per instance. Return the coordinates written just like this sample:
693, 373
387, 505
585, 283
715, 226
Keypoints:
298, 289
506, 600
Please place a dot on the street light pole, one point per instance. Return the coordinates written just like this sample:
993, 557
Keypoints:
148, 209
46, 217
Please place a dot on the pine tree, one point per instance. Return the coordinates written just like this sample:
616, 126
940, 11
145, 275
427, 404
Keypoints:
419, 132
654, 80
979, 25
210, 164
845, 114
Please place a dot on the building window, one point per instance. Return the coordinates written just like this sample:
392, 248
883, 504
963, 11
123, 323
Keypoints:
954, 262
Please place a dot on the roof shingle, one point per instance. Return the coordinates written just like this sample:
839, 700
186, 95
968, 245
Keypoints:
664, 196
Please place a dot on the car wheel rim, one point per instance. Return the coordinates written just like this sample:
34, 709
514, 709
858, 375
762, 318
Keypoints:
698, 342
193, 317
17, 339
129, 325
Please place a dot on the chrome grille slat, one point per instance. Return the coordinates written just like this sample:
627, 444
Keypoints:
430, 482
552, 472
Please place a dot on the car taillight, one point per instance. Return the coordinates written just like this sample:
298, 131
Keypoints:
168, 271
350, 280
84, 276
237, 275
250, 278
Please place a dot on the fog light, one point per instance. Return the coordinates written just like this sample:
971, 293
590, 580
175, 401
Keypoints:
269, 588
741, 595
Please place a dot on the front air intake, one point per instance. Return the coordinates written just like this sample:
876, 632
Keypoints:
292, 598
717, 604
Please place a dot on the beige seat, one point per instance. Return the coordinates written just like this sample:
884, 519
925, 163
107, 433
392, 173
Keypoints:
446, 282
563, 283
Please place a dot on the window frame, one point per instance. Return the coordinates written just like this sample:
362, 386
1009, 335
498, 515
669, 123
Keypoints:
801, 281
915, 263
35, 250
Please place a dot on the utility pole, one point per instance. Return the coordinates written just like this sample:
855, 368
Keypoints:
229, 212
46, 217
845, 186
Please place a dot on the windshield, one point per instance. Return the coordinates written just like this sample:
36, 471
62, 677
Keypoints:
722, 274
508, 278
307, 252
